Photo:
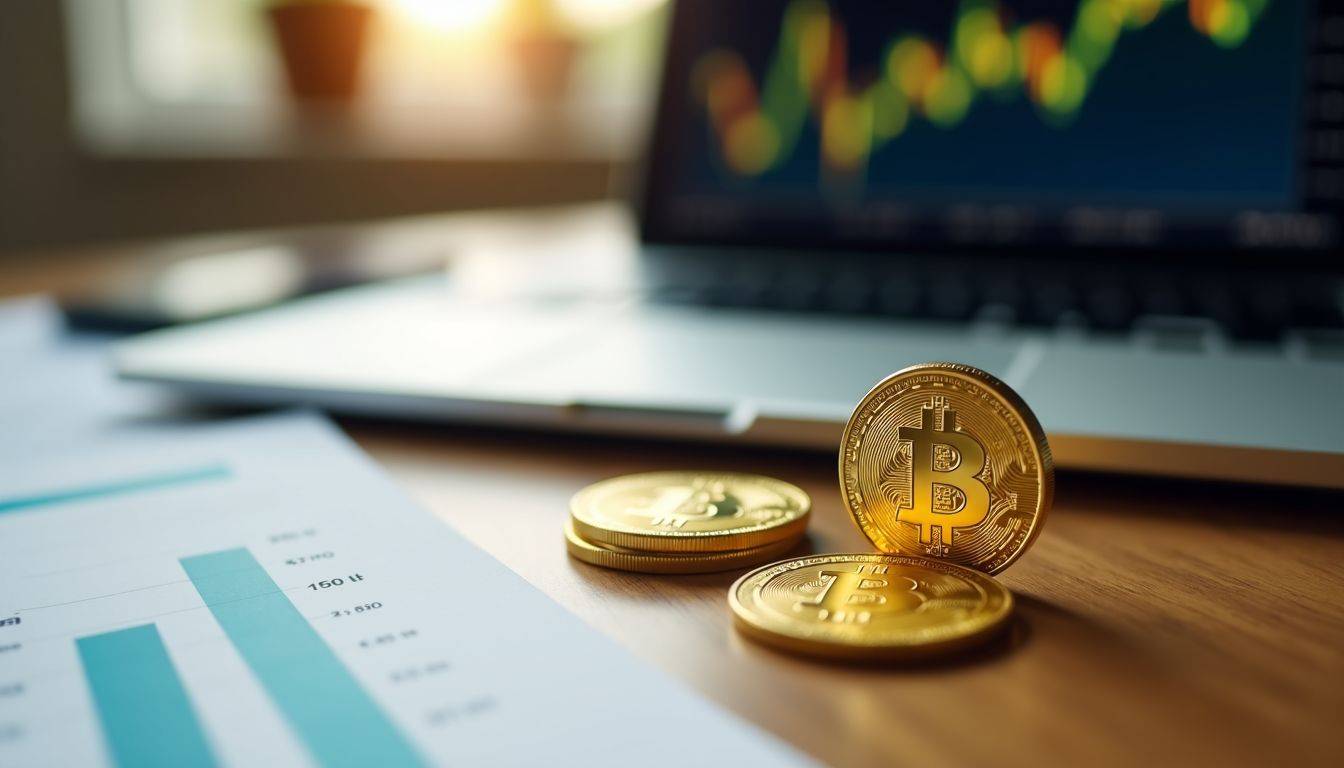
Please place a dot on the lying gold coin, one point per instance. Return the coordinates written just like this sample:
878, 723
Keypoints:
623, 559
869, 607
945, 461
690, 511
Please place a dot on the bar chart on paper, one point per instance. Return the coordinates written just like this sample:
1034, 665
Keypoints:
148, 719
288, 607
203, 657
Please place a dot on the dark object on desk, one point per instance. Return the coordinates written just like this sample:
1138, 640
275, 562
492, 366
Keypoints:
161, 292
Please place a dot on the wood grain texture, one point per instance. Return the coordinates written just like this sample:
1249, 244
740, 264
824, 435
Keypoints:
1158, 622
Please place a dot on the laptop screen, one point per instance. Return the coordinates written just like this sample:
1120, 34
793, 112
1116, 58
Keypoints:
1153, 125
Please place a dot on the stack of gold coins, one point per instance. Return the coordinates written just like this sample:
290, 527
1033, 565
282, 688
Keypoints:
948, 473
685, 522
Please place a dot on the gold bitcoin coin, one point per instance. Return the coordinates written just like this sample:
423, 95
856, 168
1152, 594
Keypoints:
945, 461
624, 559
689, 511
875, 607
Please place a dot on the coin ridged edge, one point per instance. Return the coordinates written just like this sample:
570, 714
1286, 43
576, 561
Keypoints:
811, 645
1040, 446
672, 542
704, 542
681, 563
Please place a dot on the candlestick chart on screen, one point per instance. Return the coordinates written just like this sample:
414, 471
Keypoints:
1141, 97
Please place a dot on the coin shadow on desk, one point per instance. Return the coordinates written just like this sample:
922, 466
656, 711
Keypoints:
1050, 628
1037, 627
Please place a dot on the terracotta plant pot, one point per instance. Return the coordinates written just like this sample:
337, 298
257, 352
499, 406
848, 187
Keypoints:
546, 60
322, 45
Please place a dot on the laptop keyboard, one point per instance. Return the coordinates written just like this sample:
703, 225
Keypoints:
1240, 307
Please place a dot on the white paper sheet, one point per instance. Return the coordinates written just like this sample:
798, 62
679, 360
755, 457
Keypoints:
257, 593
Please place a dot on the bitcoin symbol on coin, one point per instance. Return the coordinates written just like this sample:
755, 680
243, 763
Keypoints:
676, 506
943, 460
946, 492
851, 596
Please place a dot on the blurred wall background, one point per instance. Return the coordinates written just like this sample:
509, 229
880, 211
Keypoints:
66, 179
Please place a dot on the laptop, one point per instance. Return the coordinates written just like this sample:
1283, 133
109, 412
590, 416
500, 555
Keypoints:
1129, 211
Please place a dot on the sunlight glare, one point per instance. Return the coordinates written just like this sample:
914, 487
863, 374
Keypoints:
450, 15
598, 14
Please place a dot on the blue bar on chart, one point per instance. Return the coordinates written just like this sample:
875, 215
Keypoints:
122, 487
328, 708
146, 715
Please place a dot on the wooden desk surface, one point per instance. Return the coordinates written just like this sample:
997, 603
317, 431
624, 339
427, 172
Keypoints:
1157, 621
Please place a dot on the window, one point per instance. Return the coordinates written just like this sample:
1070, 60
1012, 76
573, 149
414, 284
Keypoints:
440, 78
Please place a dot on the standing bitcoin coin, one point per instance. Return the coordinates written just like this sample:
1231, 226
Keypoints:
945, 461
868, 606
689, 511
